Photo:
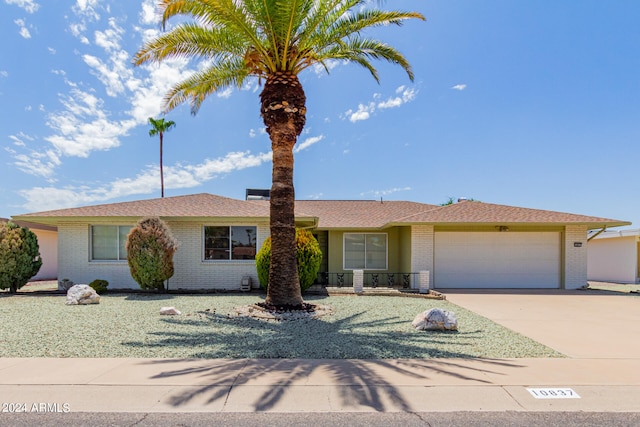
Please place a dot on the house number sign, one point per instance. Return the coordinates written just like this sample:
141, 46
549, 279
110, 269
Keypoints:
553, 393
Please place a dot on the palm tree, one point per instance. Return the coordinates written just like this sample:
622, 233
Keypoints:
159, 128
274, 40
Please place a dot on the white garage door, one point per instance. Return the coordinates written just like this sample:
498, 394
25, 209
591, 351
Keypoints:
497, 260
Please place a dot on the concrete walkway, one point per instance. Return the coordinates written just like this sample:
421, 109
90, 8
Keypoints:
598, 332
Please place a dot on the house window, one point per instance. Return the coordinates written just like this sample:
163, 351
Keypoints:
230, 243
108, 242
365, 251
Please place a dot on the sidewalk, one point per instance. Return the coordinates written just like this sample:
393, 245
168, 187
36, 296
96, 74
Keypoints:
605, 378
161, 385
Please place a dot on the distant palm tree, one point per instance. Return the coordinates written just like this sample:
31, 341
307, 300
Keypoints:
273, 40
160, 126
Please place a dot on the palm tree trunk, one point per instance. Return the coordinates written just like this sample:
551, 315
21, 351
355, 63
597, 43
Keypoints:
161, 170
283, 112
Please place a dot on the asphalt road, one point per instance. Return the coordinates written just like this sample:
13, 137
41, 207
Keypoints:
388, 419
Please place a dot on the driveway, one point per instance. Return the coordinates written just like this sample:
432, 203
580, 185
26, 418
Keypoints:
579, 324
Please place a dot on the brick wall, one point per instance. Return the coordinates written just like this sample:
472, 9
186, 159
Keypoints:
74, 264
575, 256
191, 272
422, 248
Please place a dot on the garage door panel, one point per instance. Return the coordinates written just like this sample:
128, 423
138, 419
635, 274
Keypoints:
497, 260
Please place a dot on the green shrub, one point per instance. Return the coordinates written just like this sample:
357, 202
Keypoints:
19, 256
100, 286
150, 249
309, 257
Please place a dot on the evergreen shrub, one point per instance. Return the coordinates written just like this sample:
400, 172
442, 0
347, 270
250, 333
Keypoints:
19, 256
100, 286
150, 249
309, 257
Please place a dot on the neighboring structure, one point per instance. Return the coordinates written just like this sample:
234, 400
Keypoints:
614, 256
464, 245
48, 244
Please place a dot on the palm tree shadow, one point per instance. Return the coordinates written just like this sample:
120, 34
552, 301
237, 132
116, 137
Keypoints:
360, 383
266, 354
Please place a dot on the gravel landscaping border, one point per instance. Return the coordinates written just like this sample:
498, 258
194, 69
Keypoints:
360, 327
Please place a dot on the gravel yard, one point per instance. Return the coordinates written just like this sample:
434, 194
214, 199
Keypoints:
370, 327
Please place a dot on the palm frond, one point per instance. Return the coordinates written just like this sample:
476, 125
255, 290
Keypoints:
241, 38
360, 50
196, 88
191, 40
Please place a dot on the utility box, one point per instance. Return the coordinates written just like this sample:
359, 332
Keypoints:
245, 284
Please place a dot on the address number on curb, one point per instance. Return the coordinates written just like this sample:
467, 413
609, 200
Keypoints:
553, 393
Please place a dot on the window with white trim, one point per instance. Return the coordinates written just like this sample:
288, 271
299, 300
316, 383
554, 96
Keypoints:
230, 243
108, 242
365, 251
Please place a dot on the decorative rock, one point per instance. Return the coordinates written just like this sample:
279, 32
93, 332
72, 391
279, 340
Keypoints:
82, 294
169, 311
65, 285
436, 319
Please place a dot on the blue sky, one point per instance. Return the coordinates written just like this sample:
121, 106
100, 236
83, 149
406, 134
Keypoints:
523, 103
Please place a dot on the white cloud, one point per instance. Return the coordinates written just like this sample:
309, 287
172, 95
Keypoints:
252, 133
148, 14
148, 94
320, 69
51, 50
38, 164
87, 9
28, 5
146, 182
225, 93
459, 87
18, 140
116, 71
4, 73
364, 111
405, 95
24, 31
378, 193
316, 196
77, 29
307, 143
84, 126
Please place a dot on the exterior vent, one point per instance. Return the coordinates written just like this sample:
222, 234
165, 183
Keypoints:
257, 194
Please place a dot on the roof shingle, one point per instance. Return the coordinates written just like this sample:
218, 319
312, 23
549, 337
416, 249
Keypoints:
331, 214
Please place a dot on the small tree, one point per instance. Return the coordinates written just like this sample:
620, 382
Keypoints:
19, 256
308, 255
150, 249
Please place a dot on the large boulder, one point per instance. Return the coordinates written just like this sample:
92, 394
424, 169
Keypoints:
82, 294
436, 319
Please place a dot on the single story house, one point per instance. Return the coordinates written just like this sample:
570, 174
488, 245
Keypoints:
468, 244
48, 245
614, 256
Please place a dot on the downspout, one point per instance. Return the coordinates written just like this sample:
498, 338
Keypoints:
595, 234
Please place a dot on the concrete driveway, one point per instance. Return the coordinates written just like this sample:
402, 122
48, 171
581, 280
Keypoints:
579, 324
